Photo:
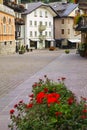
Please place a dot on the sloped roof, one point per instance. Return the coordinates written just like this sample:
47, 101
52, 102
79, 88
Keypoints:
32, 6
63, 9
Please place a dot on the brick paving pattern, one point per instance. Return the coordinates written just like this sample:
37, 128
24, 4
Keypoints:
19, 72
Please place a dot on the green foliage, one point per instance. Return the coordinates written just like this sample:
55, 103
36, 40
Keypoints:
52, 107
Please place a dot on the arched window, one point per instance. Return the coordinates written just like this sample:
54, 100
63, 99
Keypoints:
4, 20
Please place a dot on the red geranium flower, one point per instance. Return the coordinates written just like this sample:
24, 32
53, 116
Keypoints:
63, 78
85, 111
70, 101
32, 95
30, 105
58, 113
12, 111
15, 105
45, 90
53, 98
39, 97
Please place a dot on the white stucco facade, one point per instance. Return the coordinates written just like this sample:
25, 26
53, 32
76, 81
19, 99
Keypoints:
40, 16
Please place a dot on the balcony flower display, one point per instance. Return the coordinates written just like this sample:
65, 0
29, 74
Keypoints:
51, 106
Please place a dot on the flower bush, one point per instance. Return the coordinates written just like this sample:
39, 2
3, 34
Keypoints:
51, 107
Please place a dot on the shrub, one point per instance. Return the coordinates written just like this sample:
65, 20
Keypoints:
67, 51
51, 107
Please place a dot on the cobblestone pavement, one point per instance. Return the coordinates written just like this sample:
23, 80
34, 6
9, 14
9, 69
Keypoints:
54, 64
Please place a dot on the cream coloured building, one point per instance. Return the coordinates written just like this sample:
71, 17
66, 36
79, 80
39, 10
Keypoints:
65, 34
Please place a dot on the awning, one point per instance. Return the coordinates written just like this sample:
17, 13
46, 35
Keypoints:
35, 40
74, 40
50, 40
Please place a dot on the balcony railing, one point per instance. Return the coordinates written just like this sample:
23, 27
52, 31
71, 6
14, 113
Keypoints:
16, 7
19, 21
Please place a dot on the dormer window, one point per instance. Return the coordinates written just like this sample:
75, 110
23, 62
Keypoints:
35, 14
46, 15
40, 13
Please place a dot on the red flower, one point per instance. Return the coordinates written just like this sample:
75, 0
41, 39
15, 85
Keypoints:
15, 105
45, 90
21, 101
40, 96
58, 113
84, 111
30, 105
53, 98
12, 111
70, 101
34, 85
32, 95
83, 117
63, 78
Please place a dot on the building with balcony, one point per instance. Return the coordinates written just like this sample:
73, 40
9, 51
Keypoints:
39, 30
82, 26
7, 30
18, 8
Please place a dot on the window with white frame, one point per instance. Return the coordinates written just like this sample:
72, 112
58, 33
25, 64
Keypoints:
46, 15
40, 13
35, 13
49, 24
45, 33
46, 23
35, 23
30, 23
35, 33
31, 34
49, 34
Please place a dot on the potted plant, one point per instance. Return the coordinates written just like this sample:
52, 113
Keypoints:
67, 51
22, 49
52, 48
51, 107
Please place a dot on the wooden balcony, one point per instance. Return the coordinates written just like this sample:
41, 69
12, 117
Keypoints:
82, 4
16, 7
19, 21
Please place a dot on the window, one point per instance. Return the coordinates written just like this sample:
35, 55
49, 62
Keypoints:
35, 23
30, 23
49, 24
9, 21
35, 14
31, 34
46, 23
40, 13
68, 31
4, 20
50, 34
4, 28
40, 23
46, 14
62, 21
46, 33
35, 34
62, 31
